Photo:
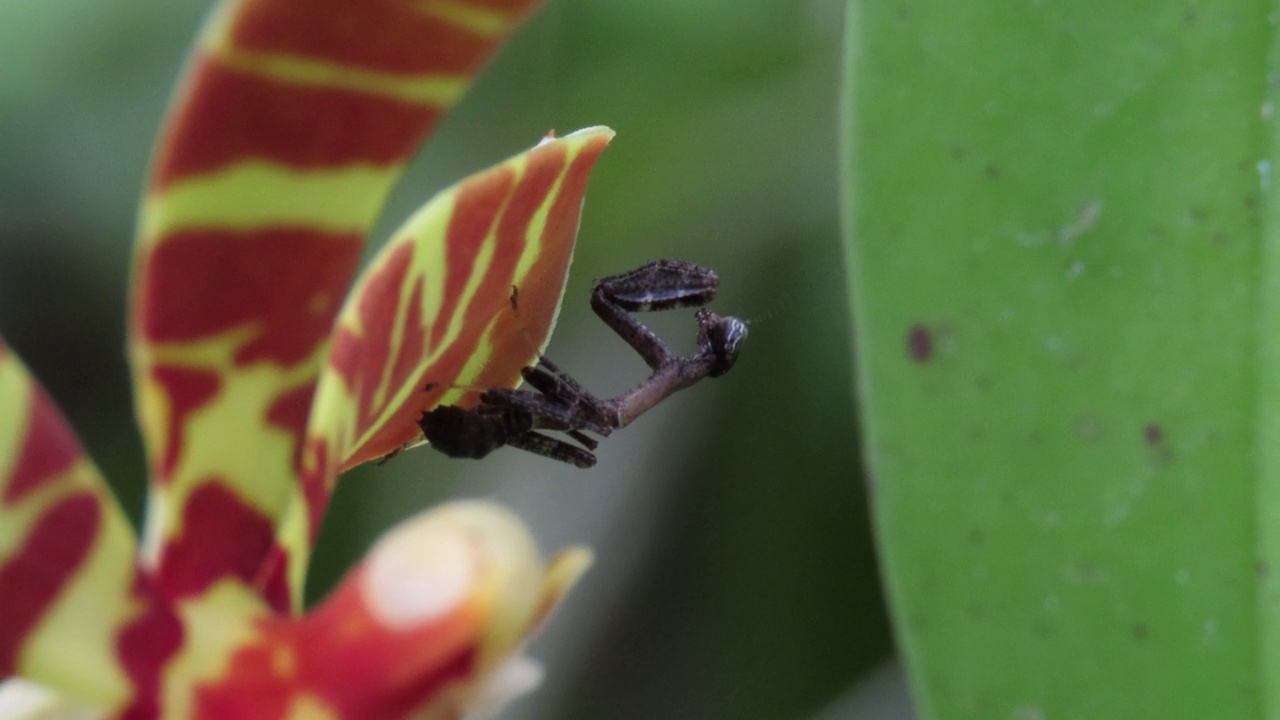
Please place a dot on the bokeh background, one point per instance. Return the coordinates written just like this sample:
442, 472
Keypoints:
735, 575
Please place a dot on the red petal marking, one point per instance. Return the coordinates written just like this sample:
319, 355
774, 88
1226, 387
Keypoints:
252, 690
492, 300
412, 341
289, 412
546, 278
393, 37
474, 213
288, 282
377, 316
230, 116
456, 669
145, 647
382, 684
38, 570
316, 483
354, 357
221, 536
273, 578
49, 449
343, 656
398, 669
346, 660
494, 295
187, 391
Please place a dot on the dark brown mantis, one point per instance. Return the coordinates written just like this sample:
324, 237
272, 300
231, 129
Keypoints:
553, 401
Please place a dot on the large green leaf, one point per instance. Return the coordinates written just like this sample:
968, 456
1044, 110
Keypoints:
1063, 275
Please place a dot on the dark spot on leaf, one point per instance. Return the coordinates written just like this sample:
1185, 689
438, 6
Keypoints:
1153, 434
991, 170
959, 152
1041, 628
919, 343
977, 537
1140, 631
1198, 213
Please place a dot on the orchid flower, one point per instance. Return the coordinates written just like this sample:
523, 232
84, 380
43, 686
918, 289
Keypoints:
260, 373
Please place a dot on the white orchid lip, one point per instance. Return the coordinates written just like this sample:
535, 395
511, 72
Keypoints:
419, 572
431, 565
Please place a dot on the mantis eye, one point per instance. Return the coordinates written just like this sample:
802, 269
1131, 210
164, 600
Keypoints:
722, 336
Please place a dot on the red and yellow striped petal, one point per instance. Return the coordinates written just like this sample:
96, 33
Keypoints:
294, 120
75, 614
434, 307
422, 628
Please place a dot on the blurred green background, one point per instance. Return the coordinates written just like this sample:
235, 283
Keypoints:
735, 575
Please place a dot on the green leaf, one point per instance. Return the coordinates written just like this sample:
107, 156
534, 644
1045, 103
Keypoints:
1062, 269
